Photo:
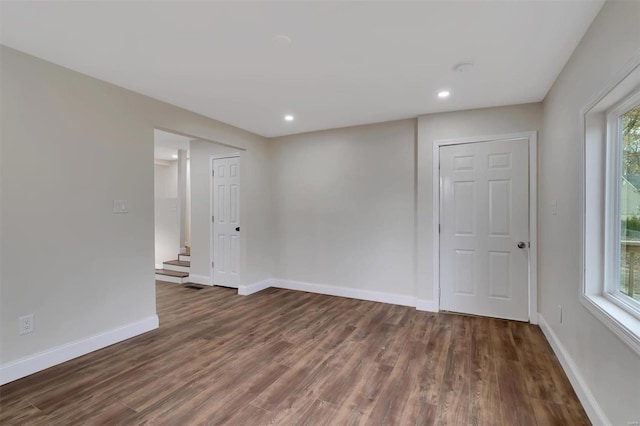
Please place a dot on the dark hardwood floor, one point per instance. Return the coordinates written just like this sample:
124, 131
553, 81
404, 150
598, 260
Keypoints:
284, 357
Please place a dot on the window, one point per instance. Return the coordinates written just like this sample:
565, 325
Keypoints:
611, 280
623, 138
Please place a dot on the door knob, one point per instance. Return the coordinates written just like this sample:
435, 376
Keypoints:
238, 229
522, 245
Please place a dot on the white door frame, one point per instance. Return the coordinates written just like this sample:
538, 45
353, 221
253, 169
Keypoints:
532, 137
212, 209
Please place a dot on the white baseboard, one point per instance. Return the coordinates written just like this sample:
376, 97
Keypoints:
595, 413
427, 305
352, 293
32, 364
330, 290
200, 279
246, 290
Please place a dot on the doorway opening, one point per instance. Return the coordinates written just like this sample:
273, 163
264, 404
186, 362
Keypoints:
172, 206
184, 205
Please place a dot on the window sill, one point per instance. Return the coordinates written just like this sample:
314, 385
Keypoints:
625, 325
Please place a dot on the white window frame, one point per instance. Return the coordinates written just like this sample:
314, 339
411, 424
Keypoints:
612, 216
600, 219
612, 205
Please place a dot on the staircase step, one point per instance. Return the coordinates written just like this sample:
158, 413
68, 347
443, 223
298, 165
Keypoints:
170, 273
177, 265
184, 257
172, 276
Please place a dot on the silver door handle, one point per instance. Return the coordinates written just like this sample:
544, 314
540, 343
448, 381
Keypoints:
522, 245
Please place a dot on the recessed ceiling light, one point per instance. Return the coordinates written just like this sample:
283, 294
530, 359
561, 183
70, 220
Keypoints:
288, 117
463, 67
443, 94
174, 156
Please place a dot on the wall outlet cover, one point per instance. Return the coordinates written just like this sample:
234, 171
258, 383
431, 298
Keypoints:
120, 206
25, 324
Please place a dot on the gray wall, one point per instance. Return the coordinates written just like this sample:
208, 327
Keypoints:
70, 145
167, 222
354, 205
345, 207
609, 368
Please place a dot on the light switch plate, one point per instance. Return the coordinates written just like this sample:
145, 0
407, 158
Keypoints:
120, 206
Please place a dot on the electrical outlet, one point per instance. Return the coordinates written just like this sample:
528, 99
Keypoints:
25, 324
120, 206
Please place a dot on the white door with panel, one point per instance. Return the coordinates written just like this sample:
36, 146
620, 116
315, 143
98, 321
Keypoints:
484, 228
225, 239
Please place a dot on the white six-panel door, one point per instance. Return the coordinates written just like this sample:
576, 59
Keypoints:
226, 221
484, 232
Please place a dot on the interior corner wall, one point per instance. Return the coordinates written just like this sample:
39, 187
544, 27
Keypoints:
453, 125
165, 180
345, 207
188, 206
65, 257
166, 220
609, 369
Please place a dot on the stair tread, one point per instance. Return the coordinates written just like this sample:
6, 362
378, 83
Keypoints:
172, 273
177, 262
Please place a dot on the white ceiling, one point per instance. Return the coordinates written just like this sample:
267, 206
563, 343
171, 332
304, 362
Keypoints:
348, 63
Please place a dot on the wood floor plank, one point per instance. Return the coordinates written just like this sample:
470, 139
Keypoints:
515, 403
436, 355
396, 401
454, 400
250, 415
484, 391
321, 413
283, 357
550, 414
355, 392
18, 411
539, 383
114, 415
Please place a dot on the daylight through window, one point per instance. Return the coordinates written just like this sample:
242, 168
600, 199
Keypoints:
628, 133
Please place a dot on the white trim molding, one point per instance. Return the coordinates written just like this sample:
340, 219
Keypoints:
532, 137
331, 290
599, 246
246, 290
200, 279
623, 324
32, 364
427, 305
589, 402
352, 293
